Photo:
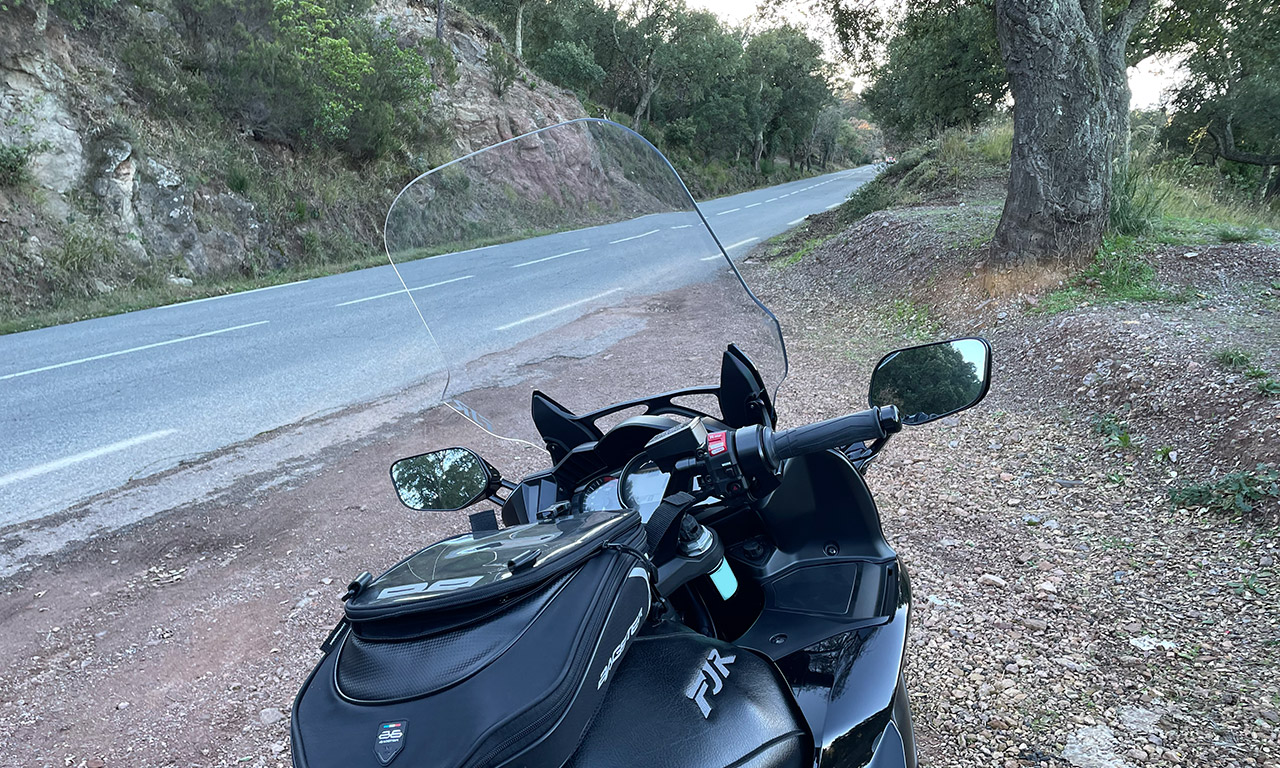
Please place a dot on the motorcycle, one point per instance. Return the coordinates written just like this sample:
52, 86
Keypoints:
684, 583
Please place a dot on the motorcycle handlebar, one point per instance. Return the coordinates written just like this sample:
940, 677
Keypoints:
872, 424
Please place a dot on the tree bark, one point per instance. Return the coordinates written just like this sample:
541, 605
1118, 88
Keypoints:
1067, 75
520, 30
646, 95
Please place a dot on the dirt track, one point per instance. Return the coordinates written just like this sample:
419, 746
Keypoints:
1056, 608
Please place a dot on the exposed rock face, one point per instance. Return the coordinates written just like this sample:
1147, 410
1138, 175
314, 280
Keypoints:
35, 108
57, 95
478, 115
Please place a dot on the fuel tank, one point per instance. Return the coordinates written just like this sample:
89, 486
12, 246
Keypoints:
682, 699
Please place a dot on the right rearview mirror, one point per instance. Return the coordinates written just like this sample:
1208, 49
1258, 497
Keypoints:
443, 481
933, 380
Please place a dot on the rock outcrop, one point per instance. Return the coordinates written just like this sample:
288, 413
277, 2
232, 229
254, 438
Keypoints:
65, 97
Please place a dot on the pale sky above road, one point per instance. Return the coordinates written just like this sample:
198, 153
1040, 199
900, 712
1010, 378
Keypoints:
1147, 81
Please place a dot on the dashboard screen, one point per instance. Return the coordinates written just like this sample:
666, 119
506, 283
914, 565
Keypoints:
643, 488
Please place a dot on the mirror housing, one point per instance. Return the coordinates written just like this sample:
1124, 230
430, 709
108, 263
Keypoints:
444, 481
935, 380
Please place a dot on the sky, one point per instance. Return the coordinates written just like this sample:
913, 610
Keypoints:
1147, 81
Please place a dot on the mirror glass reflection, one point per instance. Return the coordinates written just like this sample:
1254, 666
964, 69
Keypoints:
441, 481
932, 381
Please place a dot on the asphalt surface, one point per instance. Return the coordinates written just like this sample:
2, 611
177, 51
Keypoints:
88, 406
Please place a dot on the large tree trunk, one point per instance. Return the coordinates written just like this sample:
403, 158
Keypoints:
1068, 78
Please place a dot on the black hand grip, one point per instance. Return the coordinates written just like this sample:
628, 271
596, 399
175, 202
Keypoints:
833, 433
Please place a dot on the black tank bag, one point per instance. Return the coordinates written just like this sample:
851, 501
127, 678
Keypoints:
488, 649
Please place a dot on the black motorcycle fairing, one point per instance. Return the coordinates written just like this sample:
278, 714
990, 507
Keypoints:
682, 699
850, 689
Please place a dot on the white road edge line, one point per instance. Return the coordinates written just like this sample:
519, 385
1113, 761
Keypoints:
127, 351
834, 205
549, 258
731, 210
397, 293
797, 221
54, 466
551, 312
730, 248
229, 295
625, 239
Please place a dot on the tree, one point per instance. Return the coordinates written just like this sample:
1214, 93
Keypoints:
943, 71
1232, 92
1067, 65
641, 33
1066, 61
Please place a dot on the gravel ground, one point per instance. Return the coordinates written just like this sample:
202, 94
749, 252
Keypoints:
1067, 613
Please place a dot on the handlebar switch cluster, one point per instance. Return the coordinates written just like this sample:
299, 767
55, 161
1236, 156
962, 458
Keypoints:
723, 477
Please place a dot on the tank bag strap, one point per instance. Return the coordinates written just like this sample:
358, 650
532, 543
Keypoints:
663, 527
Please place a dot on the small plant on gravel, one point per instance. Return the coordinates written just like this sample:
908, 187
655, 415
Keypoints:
1115, 432
1249, 583
1237, 492
1232, 357
1269, 388
1254, 372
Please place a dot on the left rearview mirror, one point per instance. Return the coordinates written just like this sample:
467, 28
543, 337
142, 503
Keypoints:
444, 481
933, 380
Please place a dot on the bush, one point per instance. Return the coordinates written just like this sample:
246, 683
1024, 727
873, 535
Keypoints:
502, 68
13, 163
875, 195
571, 65
1237, 492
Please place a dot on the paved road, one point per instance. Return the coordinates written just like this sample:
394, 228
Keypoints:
86, 407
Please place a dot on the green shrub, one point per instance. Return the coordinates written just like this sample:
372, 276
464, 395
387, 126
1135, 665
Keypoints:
1232, 357
571, 65
1237, 492
873, 196
13, 163
1246, 234
502, 68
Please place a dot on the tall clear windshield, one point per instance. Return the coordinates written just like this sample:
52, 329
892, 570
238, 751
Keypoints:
570, 260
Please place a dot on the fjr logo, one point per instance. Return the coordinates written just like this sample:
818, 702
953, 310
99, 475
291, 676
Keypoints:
711, 677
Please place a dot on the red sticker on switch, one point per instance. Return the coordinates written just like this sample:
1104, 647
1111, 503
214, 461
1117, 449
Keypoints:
717, 443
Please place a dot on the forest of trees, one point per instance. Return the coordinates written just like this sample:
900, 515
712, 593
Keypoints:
688, 81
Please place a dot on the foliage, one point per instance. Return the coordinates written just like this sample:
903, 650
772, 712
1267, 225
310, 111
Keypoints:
943, 71
310, 73
1117, 273
13, 163
1231, 95
873, 196
1135, 198
1237, 492
502, 68
1232, 357
572, 65
707, 94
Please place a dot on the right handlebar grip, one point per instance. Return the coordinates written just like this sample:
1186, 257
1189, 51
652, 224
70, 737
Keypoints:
832, 433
